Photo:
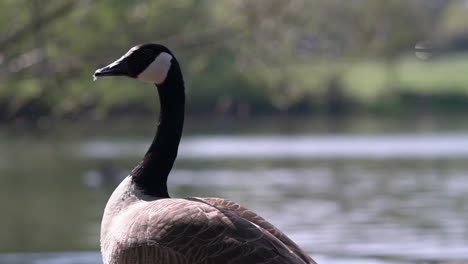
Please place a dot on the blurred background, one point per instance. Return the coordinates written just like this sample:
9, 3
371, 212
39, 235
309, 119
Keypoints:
342, 122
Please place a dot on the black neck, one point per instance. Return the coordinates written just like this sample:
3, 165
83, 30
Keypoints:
151, 174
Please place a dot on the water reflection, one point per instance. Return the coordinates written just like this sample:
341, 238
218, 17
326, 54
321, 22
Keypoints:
369, 210
401, 196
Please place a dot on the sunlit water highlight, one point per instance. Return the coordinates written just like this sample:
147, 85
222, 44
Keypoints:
421, 146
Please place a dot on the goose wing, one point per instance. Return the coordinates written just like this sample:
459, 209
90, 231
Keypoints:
261, 222
191, 231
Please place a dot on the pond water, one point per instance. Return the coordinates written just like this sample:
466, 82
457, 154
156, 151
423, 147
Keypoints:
348, 191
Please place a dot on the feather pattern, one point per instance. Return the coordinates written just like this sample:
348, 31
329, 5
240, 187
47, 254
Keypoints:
148, 230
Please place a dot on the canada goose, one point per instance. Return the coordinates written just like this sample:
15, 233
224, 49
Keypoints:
143, 225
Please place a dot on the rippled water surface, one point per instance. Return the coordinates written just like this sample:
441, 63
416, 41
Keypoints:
360, 193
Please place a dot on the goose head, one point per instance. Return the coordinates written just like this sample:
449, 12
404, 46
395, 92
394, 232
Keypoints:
145, 62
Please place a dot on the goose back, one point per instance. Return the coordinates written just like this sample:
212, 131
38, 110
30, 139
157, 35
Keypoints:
144, 230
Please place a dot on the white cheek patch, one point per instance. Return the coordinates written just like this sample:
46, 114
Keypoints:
156, 72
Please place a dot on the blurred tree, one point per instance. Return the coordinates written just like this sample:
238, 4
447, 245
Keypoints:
267, 53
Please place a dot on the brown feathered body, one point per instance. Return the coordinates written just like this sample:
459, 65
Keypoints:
138, 229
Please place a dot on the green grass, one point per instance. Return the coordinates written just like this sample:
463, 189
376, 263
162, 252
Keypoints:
436, 76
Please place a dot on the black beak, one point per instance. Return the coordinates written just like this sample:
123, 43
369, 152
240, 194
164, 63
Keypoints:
117, 68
